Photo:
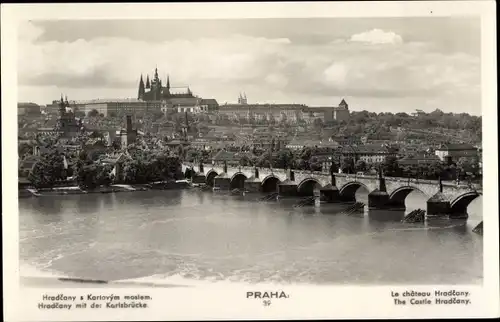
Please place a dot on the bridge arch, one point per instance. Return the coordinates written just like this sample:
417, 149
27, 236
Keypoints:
460, 203
307, 186
348, 191
211, 174
270, 183
238, 180
398, 196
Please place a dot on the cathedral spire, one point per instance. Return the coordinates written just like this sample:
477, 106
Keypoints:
148, 84
140, 95
168, 82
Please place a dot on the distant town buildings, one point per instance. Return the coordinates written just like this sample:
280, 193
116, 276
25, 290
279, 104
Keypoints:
418, 113
28, 109
369, 153
283, 112
453, 152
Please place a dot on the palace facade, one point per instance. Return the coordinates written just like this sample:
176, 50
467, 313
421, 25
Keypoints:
284, 112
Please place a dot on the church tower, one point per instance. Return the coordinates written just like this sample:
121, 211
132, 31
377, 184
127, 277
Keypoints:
148, 85
167, 89
242, 99
343, 104
62, 107
142, 90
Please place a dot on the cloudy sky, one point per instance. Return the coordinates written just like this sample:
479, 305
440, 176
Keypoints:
382, 64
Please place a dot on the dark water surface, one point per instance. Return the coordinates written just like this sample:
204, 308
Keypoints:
191, 235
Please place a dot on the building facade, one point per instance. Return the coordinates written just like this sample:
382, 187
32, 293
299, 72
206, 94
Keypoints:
288, 113
28, 109
456, 151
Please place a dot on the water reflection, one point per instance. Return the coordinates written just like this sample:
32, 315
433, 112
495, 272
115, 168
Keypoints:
386, 215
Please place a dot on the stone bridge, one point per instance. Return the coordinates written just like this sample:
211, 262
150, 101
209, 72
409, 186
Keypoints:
384, 192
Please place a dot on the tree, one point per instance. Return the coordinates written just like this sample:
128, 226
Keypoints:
284, 160
391, 167
23, 149
348, 165
93, 175
318, 123
314, 164
245, 161
48, 170
360, 166
93, 113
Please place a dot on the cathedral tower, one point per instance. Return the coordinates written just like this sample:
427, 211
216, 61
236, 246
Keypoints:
142, 90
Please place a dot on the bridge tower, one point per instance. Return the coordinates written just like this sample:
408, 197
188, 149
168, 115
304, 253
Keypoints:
379, 198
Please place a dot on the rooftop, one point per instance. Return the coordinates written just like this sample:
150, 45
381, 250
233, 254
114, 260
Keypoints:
455, 147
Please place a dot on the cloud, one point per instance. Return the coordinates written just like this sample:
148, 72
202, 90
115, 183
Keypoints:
336, 73
267, 69
277, 80
377, 36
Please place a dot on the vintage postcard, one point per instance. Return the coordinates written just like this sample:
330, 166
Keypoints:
204, 161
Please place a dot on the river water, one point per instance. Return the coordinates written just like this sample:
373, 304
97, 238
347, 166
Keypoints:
191, 236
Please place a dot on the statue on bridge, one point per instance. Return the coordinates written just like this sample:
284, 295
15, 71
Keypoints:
380, 170
225, 166
381, 180
256, 172
332, 175
200, 167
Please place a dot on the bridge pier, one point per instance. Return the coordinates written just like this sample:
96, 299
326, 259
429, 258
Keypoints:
378, 200
289, 186
198, 177
438, 206
330, 193
223, 181
253, 184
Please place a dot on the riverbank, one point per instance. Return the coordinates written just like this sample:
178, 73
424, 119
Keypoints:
70, 190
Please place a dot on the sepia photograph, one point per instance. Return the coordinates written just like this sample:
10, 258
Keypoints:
169, 154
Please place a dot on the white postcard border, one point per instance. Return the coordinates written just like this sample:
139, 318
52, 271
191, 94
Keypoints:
225, 301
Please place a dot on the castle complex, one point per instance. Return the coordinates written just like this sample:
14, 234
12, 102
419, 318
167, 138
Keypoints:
153, 96
155, 91
284, 112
